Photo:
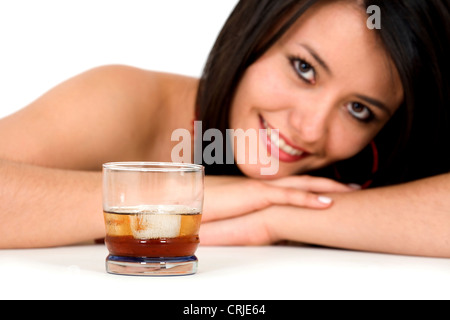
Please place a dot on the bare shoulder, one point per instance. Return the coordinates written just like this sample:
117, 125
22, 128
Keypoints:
100, 115
151, 92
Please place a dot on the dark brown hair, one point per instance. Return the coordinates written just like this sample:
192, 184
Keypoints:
415, 33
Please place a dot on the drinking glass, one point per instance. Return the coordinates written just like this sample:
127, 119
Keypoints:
152, 214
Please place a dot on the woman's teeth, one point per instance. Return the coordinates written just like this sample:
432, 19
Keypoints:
280, 143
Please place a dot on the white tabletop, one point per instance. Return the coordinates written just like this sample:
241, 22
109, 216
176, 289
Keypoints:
272, 272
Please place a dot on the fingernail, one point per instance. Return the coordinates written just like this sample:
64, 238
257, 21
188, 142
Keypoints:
324, 200
355, 186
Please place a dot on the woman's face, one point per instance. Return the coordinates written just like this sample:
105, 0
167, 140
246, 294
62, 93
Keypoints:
327, 85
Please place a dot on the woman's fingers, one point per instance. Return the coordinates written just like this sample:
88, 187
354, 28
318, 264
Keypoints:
295, 197
313, 184
225, 198
231, 200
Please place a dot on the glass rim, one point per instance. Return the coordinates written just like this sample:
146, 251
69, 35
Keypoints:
148, 166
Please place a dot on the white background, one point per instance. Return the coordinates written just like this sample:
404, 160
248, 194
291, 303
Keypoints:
45, 42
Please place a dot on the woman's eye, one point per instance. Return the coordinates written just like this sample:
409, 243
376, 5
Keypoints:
304, 70
359, 111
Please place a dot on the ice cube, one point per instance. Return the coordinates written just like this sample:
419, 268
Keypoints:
117, 225
153, 226
190, 224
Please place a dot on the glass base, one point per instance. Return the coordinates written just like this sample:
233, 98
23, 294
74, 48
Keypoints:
143, 266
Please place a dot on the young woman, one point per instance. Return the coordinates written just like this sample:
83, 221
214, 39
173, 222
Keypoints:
351, 103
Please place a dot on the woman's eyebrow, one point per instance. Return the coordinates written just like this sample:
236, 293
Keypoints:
317, 57
376, 103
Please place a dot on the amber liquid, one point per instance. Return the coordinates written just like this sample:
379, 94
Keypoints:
152, 233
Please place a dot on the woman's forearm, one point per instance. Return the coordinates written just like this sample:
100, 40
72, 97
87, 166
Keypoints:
42, 207
411, 219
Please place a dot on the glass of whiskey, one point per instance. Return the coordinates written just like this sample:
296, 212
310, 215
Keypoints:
152, 214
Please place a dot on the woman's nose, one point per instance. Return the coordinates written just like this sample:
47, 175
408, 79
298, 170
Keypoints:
310, 123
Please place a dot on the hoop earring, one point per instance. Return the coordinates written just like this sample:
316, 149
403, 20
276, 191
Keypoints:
375, 165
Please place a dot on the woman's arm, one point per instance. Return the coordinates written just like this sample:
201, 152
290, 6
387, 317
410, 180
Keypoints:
411, 219
42, 207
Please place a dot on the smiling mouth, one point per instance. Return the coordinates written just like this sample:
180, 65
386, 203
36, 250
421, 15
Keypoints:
287, 152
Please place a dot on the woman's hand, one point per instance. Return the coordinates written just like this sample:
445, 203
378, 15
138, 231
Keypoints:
251, 229
227, 197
